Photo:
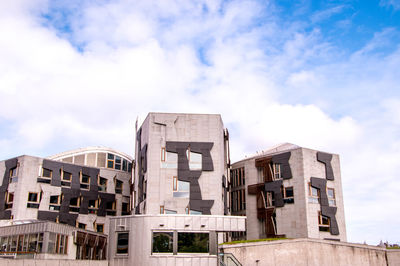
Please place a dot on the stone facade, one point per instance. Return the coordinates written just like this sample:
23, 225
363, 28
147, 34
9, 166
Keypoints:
290, 209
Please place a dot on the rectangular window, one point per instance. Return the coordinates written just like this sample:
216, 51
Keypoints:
125, 165
323, 222
118, 162
277, 170
118, 186
9, 200
125, 208
193, 242
183, 190
175, 183
54, 204
110, 160
331, 196
47, 173
162, 209
74, 204
13, 175
122, 242
81, 225
170, 212
195, 160
92, 206
163, 242
313, 194
288, 196
163, 154
171, 160
100, 228
110, 208
66, 176
33, 200
102, 184
85, 181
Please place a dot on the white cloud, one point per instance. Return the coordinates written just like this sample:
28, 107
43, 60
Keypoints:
143, 56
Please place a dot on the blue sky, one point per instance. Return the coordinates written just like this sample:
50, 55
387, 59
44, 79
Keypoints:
323, 75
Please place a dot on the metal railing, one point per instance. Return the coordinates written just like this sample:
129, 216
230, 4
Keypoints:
228, 259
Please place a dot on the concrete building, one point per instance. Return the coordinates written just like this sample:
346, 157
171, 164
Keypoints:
81, 188
180, 192
289, 191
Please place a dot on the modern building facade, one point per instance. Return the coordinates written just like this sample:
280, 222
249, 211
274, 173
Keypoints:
81, 188
180, 192
289, 191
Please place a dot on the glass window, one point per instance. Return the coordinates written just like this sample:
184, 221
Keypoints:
193, 212
117, 162
183, 190
118, 186
102, 184
171, 160
313, 194
170, 212
100, 228
13, 244
163, 154
51, 248
47, 173
163, 242
323, 222
54, 199
110, 160
33, 239
33, 197
277, 170
331, 196
54, 203
195, 161
288, 195
67, 176
125, 165
9, 200
81, 225
13, 172
193, 242
122, 242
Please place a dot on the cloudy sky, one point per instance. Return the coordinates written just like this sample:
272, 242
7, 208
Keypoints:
324, 76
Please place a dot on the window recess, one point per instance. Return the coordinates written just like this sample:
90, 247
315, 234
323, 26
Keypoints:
331, 196
119, 186
181, 189
74, 204
288, 195
33, 200
323, 222
55, 202
9, 200
102, 182
314, 194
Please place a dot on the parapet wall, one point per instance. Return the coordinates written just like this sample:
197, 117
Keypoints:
311, 252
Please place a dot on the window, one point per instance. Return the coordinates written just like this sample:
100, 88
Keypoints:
122, 242
55, 203
313, 194
33, 200
85, 180
125, 208
331, 196
171, 160
92, 206
193, 212
110, 160
163, 154
9, 200
124, 165
163, 242
162, 209
74, 204
58, 244
66, 176
102, 184
13, 175
47, 173
323, 222
170, 212
81, 225
99, 228
277, 170
194, 159
117, 163
118, 186
288, 196
110, 208
193, 242
175, 183
182, 190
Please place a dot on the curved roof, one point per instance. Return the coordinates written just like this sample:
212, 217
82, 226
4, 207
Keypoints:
93, 149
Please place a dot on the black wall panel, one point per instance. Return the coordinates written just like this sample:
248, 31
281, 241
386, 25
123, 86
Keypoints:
185, 174
9, 164
283, 159
275, 186
326, 159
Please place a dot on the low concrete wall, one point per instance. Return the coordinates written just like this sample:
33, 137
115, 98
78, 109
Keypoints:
311, 252
32, 262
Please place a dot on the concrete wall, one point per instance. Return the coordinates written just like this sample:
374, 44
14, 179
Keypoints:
34, 262
311, 252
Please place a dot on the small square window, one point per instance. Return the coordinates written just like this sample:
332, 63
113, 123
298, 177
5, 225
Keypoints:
81, 225
67, 176
100, 228
33, 200
288, 195
47, 173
